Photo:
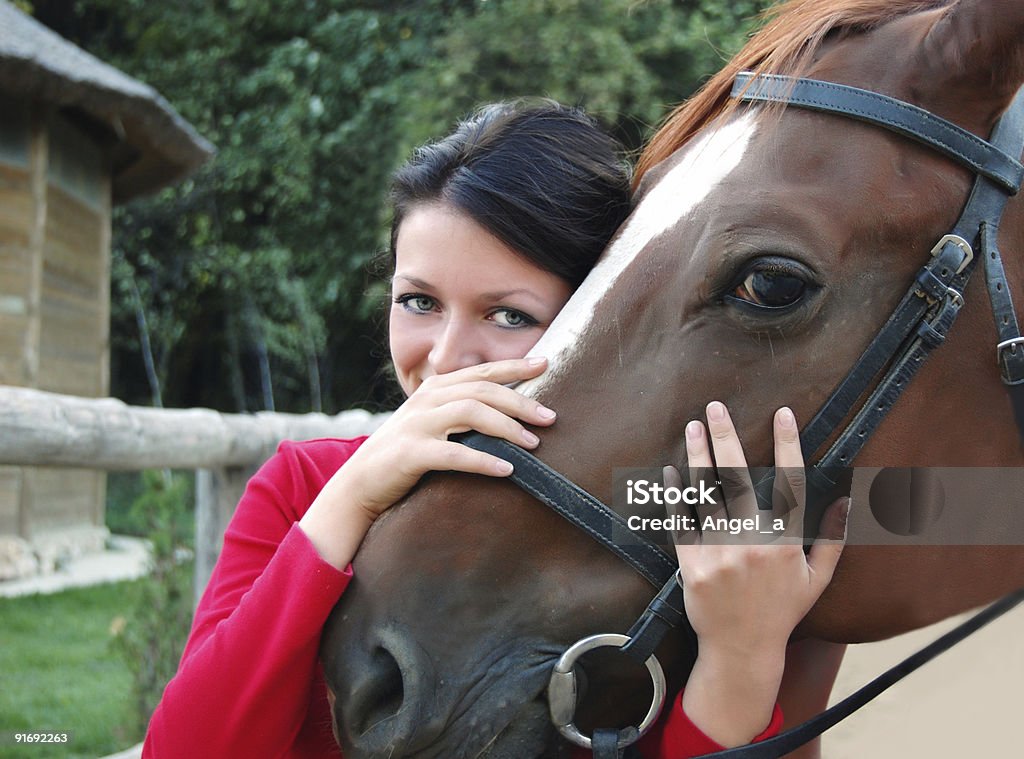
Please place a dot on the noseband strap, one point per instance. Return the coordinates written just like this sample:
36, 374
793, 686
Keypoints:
578, 506
570, 501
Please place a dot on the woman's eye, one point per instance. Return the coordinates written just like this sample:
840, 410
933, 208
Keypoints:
770, 288
506, 317
416, 303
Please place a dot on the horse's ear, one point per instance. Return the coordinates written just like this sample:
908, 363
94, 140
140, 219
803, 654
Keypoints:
977, 46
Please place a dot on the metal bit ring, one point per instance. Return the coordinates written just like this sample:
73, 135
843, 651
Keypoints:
562, 689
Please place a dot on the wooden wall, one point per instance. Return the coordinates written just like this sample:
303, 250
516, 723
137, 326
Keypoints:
54, 299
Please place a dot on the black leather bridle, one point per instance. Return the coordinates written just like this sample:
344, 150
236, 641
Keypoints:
918, 325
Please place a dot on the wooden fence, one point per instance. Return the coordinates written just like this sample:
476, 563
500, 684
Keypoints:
47, 429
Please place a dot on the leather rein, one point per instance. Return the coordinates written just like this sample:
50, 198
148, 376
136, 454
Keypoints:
918, 325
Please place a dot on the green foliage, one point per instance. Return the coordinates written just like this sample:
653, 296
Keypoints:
257, 265
60, 673
124, 517
152, 636
626, 62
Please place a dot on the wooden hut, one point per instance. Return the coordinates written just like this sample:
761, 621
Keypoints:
76, 137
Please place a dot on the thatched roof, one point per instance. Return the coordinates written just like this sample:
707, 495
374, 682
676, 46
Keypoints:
155, 145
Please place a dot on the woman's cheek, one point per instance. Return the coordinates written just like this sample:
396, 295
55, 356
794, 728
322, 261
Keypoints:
403, 341
514, 345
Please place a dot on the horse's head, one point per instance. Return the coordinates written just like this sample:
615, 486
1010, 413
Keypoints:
768, 246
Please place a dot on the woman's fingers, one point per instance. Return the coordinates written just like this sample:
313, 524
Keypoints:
503, 399
790, 488
702, 472
787, 440
455, 457
671, 478
499, 372
733, 475
471, 414
724, 440
825, 552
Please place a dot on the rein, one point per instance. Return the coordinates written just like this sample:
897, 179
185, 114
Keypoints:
919, 324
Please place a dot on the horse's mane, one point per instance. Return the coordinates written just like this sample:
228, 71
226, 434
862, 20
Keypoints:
791, 34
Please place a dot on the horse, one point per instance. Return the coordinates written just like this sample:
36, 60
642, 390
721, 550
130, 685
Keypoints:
768, 246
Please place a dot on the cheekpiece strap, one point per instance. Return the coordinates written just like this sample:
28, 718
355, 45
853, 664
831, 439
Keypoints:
665, 612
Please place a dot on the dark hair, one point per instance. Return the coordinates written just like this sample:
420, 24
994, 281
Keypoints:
541, 177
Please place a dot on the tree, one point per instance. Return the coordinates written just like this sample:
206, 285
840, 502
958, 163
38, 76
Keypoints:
252, 275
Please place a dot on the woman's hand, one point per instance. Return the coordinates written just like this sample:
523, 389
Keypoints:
745, 594
414, 441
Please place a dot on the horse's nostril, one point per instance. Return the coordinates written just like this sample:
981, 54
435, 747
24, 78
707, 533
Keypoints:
381, 697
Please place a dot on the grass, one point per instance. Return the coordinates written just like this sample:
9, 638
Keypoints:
60, 672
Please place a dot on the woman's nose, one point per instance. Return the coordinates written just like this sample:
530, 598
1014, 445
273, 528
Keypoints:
456, 346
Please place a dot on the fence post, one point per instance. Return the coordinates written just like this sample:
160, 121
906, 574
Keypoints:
217, 493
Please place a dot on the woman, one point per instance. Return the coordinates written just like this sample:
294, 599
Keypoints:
493, 229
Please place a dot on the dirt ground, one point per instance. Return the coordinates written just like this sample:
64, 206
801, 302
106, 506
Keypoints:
968, 702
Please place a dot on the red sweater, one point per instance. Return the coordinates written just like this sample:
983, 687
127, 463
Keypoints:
249, 682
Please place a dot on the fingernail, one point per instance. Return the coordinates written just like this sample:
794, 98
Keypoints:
786, 418
693, 430
530, 438
536, 361
545, 413
716, 411
503, 467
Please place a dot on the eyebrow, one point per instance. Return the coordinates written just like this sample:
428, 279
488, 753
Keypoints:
415, 282
490, 297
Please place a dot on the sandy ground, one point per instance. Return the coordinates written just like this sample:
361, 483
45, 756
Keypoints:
968, 702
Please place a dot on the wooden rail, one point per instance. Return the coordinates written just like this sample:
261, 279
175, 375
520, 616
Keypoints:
47, 429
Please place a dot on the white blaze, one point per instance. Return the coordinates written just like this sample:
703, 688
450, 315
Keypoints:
706, 163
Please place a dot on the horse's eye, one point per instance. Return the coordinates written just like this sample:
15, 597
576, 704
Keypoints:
770, 288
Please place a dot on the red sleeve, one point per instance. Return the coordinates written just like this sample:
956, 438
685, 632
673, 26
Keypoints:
676, 737
249, 682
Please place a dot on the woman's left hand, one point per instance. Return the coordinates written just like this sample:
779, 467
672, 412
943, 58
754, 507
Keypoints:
743, 594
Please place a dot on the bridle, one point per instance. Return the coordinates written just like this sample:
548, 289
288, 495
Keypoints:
918, 325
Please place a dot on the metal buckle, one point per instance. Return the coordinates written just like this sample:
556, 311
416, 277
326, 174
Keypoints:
1007, 344
562, 689
965, 248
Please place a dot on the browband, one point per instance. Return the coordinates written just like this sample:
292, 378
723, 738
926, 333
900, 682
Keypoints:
916, 123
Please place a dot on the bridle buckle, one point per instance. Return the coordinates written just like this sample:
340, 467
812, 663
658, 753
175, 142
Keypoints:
958, 241
1010, 344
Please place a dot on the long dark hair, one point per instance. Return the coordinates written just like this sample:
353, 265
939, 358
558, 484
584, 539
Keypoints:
541, 177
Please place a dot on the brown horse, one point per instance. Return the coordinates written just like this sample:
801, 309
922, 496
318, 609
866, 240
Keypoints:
767, 248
